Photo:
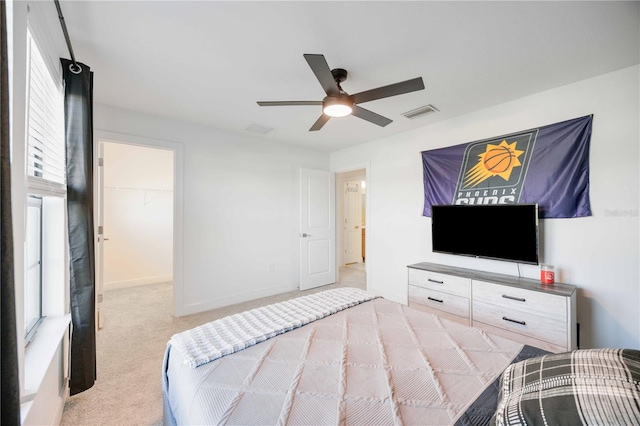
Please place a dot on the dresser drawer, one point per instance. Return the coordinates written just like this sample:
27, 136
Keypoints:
440, 282
525, 323
446, 302
529, 301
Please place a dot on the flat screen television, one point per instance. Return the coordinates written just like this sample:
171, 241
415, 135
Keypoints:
496, 231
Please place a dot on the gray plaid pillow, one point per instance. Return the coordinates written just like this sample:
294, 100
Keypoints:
583, 387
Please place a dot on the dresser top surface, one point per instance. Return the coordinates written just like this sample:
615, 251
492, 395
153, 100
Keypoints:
509, 280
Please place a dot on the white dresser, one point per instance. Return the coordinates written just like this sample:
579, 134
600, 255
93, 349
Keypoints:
521, 309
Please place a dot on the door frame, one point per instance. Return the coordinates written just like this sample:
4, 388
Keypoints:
178, 197
366, 166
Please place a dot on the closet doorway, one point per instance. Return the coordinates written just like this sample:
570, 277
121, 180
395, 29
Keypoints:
135, 218
351, 218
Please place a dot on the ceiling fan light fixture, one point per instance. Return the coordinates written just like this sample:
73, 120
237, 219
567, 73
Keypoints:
337, 107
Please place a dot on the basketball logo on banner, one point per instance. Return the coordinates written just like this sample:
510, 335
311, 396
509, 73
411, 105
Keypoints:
548, 165
493, 171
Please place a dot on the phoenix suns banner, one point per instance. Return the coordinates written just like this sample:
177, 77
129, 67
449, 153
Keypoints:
548, 165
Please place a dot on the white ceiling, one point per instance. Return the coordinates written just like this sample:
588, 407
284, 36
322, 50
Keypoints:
208, 62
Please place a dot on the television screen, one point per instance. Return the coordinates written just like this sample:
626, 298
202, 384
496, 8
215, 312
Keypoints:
496, 231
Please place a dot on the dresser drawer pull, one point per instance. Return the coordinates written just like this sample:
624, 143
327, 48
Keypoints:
435, 281
516, 321
519, 299
435, 300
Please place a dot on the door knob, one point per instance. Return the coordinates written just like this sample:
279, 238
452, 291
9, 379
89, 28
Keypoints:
304, 235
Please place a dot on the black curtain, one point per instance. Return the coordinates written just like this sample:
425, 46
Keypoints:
10, 395
78, 109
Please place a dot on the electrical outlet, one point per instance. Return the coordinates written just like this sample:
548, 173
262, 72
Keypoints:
272, 267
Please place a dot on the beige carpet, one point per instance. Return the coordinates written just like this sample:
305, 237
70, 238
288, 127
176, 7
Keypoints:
130, 348
360, 266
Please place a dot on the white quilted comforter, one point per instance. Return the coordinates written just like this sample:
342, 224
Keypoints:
376, 363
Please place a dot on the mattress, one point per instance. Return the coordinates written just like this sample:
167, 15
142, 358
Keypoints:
378, 362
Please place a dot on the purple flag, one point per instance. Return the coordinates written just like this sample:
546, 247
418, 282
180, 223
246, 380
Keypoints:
548, 165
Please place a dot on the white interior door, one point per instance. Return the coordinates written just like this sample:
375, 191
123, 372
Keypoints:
317, 228
352, 202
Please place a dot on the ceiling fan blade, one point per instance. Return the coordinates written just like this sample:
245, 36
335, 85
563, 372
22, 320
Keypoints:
321, 69
390, 90
370, 116
288, 103
320, 122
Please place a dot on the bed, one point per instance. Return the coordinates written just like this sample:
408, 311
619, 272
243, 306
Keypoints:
344, 356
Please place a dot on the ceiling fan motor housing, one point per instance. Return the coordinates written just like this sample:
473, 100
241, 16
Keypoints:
339, 75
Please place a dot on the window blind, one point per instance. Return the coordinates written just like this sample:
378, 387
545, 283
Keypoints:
46, 165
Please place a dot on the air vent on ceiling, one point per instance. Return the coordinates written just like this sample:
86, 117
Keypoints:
258, 128
419, 112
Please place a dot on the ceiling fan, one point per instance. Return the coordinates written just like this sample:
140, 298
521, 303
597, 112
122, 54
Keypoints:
339, 103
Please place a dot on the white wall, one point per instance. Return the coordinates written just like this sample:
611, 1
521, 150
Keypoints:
138, 215
241, 207
599, 254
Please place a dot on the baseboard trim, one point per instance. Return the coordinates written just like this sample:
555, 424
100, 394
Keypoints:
114, 285
232, 300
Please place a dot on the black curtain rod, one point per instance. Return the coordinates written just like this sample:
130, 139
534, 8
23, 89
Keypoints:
66, 37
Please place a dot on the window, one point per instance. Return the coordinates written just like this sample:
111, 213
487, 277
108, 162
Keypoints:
46, 166
33, 265
46, 189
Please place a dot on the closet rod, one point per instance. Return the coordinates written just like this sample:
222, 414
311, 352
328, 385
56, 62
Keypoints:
66, 37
